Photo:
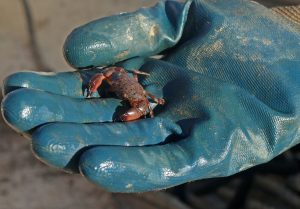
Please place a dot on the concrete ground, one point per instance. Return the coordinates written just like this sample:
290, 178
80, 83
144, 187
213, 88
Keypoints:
25, 182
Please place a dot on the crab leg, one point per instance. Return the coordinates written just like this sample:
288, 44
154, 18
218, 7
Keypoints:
155, 99
150, 110
94, 83
137, 72
140, 72
97, 79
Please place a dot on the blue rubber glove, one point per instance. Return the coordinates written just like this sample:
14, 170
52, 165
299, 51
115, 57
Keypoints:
230, 75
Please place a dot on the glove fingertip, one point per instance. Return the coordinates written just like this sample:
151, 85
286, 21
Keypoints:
104, 167
54, 149
14, 111
16, 81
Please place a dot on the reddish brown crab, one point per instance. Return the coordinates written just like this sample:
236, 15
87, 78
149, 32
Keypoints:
126, 88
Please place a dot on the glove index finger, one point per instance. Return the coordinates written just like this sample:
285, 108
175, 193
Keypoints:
144, 32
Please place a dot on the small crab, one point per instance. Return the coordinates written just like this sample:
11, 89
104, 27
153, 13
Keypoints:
126, 88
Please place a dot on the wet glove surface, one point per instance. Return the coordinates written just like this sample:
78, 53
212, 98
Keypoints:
229, 74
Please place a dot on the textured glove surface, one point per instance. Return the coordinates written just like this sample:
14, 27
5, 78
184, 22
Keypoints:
230, 75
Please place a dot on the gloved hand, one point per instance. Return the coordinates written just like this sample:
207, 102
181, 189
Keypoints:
230, 75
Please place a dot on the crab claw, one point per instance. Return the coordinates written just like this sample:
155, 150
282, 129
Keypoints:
132, 114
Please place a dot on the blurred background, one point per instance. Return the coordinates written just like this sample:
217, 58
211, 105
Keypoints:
32, 34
